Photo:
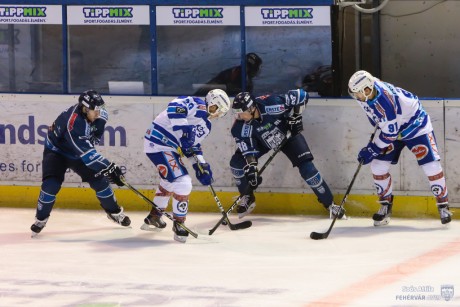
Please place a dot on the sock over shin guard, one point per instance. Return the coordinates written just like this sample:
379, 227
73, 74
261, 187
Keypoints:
316, 182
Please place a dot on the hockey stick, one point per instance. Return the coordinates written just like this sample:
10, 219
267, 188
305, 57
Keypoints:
318, 235
156, 208
270, 158
242, 225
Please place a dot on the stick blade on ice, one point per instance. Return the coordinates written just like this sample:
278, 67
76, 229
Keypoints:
318, 236
242, 225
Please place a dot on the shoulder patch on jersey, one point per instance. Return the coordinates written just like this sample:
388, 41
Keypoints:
72, 121
181, 110
276, 109
246, 131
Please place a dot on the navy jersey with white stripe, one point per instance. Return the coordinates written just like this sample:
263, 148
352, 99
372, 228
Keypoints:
71, 134
258, 136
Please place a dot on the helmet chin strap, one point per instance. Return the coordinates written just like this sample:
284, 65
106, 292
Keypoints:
253, 112
367, 96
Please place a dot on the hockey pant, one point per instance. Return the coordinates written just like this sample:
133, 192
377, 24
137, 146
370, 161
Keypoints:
54, 168
174, 181
425, 150
298, 152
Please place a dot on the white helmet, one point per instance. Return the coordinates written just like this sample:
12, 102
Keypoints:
359, 81
220, 99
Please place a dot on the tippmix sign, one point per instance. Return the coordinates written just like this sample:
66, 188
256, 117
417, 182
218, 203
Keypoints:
288, 16
108, 15
198, 16
30, 14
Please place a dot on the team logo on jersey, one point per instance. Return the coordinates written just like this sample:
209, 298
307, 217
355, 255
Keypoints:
246, 132
181, 110
420, 151
163, 170
275, 109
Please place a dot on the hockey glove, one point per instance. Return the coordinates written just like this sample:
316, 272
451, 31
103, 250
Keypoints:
368, 153
113, 174
252, 174
295, 124
204, 175
97, 130
194, 150
94, 140
188, 138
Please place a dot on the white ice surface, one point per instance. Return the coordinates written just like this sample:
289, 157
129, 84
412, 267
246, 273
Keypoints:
83, 259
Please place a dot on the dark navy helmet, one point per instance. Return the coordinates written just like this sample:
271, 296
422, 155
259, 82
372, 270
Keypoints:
242, 102
91, 99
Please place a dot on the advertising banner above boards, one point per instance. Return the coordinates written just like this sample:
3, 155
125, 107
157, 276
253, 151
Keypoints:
198, 15
107, 14
30, 14
166, 15
287, 16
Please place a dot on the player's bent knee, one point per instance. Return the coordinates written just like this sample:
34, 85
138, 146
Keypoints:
379, 167
182, 185
51, 185
432, 168
307, 170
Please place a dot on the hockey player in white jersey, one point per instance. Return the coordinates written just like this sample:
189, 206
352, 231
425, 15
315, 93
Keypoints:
403, 122
179, 130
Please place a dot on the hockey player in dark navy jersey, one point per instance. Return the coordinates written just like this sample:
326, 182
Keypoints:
70, 144
262, 124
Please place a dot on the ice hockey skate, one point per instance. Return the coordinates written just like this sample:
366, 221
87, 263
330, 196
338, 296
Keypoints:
38, 226
445, 214
119, 218
154, 221
246, 205
180, 234
335, 210
382, 217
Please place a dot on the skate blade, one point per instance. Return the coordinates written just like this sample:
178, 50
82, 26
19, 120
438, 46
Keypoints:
33, 234
250, 209
383, 222
148, 227
344, 217
180, 239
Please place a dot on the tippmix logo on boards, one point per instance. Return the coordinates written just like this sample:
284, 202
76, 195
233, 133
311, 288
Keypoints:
108, 14
294, 16
200, 15
22, 13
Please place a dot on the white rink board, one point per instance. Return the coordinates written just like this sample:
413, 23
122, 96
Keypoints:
336, 129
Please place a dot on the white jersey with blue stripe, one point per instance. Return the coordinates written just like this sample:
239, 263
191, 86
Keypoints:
399, 114
165, 131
